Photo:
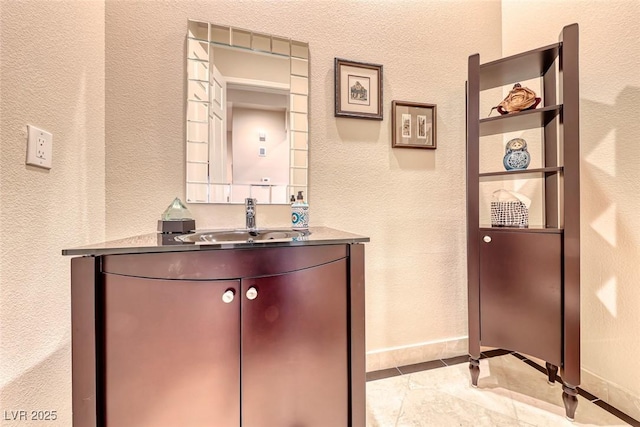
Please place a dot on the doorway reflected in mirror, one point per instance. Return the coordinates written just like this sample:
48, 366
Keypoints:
246, 115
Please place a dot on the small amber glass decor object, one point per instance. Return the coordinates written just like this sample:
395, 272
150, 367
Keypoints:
519, 99
176, 219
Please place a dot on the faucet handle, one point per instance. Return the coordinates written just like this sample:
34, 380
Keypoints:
250, 213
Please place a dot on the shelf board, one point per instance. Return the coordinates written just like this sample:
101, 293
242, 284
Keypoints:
520, 173
517, 68
530, 229
519, 121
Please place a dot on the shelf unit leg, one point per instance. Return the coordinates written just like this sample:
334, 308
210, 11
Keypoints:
552, 372
570, 399
474, 369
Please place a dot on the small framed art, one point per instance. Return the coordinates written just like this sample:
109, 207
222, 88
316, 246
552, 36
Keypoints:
358, 90
413, 125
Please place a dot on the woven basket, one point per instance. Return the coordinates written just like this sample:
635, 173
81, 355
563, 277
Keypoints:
509, 214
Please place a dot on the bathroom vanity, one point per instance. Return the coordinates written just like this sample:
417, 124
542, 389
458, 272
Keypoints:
262, 333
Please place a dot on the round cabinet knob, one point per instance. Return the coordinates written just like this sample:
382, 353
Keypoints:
252, 293
487, 239
227, 297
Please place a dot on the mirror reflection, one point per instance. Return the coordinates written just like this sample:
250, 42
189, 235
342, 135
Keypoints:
246, 114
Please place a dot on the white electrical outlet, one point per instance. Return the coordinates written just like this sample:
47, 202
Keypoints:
39, 147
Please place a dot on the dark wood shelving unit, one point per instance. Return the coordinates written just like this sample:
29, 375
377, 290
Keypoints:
520, 173
524, 283
518, 121
523, 66
538, 229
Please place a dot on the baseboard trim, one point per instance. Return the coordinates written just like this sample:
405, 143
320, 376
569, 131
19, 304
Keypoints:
391, 357
610, 393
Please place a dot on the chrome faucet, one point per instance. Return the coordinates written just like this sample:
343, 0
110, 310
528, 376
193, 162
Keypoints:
250, 213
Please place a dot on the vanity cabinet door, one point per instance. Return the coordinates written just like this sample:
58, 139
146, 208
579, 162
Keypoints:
295, 348
171, 352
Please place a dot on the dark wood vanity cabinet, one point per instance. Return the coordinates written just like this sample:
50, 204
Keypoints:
160, 339
294, 348
241, 337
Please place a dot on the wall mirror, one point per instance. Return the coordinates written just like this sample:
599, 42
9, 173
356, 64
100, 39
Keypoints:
246, 115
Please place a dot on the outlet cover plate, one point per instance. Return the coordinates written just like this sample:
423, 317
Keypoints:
39, 147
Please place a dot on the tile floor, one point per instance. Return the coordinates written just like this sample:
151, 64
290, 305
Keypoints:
512, 391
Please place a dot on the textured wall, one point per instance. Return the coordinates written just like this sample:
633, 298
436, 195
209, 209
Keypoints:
410, 202
52, 76
610, 189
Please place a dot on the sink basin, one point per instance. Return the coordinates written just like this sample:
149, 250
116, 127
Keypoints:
241, 236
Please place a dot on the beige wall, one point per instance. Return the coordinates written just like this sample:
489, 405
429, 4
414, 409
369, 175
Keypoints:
52, 76
610, 177
410, 202
113, 96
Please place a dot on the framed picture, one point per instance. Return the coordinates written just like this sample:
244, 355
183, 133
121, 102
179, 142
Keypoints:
358, 89
413, 125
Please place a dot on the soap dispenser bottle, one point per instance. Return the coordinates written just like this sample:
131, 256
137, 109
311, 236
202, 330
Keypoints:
300, 213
